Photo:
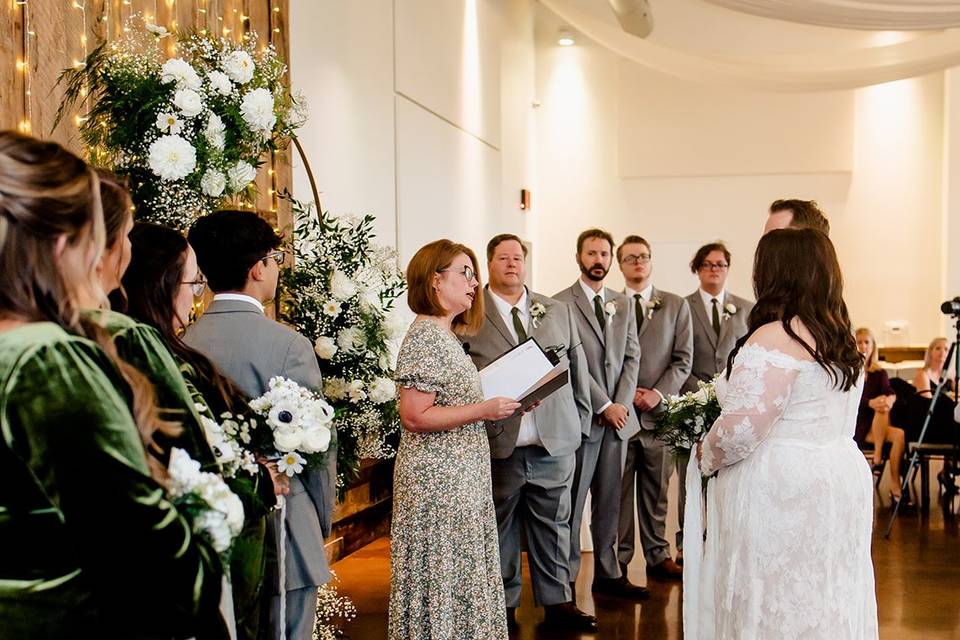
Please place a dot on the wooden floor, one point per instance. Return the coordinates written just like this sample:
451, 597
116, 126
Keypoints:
917, 573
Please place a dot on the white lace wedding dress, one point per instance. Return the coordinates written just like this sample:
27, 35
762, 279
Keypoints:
790, 513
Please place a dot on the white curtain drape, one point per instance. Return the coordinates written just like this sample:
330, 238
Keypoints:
884, 15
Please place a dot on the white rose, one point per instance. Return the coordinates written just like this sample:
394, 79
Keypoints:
356, 392
352, 340
395, 326
220, 83
316, 440
241, 175
215, 131
179, 71
239, 66
370, 301
288, 439
325, 347
169, 123
172, 157
611, 308
382, 390
341, 286
213, 183
189, 102
257, 110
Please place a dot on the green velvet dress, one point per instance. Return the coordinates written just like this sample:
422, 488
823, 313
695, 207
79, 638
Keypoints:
90, 546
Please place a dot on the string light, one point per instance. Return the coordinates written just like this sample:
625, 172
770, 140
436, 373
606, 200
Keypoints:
23, 66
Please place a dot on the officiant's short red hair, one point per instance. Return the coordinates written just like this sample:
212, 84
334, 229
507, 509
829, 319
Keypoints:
422, 297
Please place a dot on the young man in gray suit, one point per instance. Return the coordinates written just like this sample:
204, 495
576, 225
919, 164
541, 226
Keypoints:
719, 320
666, 342
239, 253
533, 456
608, 330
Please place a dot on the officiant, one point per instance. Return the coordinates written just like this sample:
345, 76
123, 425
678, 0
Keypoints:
533, 456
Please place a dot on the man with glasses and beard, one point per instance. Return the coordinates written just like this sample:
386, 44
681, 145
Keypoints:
608, 331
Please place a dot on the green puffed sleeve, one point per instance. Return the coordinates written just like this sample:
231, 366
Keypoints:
89, 537
143, 347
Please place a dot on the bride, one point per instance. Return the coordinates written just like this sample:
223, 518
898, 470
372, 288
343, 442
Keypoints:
789, 516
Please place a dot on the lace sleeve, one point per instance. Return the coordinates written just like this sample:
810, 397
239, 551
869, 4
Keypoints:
756, 397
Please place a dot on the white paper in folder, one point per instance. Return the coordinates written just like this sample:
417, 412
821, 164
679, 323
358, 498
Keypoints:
516, 372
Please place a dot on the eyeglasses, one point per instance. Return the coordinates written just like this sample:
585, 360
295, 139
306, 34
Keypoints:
710, 266
643, 258
198, 286
278, 256
468, 273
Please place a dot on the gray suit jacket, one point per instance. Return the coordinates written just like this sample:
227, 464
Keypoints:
710, 352
613, 354
564, 416
666, 342
250, 348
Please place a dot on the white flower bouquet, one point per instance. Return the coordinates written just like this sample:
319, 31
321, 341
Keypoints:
228, 441
686, 418
188, 131
299, 425
213, 510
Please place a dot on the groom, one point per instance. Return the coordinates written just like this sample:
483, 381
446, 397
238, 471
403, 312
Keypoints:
239, 253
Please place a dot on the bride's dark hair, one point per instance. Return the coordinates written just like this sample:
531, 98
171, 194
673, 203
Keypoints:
796, 275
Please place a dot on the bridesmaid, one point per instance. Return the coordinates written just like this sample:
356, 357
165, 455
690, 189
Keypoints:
444, 548
160, 286
99, 551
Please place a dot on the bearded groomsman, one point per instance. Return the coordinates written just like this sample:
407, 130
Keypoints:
533, 457
666, 342
608, 330
719, 320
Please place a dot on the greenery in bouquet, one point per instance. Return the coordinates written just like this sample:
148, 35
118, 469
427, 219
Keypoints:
188, 131
686, 418
341, 294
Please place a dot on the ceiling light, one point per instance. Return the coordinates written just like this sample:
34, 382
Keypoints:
565, 38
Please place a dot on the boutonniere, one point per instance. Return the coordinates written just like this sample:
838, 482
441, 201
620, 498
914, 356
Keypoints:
610, 308
729, 309
655, 303
537, 312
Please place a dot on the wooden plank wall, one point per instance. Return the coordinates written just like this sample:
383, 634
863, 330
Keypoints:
46, 36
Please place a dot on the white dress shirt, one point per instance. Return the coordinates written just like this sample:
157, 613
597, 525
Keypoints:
708, 304
240, 297
528, 434
591, 294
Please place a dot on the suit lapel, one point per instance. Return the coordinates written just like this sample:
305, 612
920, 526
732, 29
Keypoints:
586, 308
647, 320
725, 325
701, 315
493, 317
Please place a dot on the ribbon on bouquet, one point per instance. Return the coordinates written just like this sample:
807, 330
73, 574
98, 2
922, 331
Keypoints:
282, 564
699, 565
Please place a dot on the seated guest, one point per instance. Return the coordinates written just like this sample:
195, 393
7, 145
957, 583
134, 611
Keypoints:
942, 428
934, 358
92, 546
873, 418
160, 287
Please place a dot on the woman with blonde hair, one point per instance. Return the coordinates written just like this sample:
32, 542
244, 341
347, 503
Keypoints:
934, 358
942, 428
444, 548
873, 417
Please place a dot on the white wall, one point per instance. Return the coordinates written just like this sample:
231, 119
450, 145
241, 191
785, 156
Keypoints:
420, 113
682, 164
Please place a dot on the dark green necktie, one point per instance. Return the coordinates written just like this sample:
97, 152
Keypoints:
639, 308
598, 309
518, 325
716, 317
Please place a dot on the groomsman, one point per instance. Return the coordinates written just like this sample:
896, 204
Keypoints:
796, 213
533, 457
719, 320
608, 329
239, 253
666, 342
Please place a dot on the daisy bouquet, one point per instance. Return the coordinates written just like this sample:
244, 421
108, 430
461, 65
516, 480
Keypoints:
686, 418
297, 425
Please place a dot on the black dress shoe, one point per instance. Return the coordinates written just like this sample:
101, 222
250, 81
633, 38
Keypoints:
568, 616
512, 619
620, 588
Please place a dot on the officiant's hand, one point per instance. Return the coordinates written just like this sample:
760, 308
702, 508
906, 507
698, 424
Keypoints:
498, 408
645, 399
616, 415
531, 408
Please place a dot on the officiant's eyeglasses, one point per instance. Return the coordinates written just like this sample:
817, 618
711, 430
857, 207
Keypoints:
198, 286
643, 258
468, 273
278, 256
